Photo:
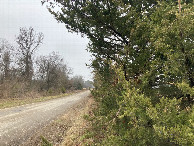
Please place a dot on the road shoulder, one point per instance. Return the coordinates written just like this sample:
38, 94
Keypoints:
67, 129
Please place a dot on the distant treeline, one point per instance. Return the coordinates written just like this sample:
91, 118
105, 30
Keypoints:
23, 73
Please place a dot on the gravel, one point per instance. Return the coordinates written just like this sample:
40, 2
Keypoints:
17, 124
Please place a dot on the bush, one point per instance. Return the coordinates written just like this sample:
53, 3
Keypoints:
63, 90
127, 117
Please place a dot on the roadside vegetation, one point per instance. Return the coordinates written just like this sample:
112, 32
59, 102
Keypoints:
12, 102
143, 66
26, 77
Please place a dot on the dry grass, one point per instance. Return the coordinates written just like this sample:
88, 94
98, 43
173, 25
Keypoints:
31, 97
79, 126
16, 93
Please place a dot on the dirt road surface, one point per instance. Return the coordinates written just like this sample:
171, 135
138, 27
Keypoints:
17, 124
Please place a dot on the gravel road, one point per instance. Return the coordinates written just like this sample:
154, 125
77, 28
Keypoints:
17, 124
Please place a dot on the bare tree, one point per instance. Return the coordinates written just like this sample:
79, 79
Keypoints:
77, 82
28, 41
6, 58
52, 71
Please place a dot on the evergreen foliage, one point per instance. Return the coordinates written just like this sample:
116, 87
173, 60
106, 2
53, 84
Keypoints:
143, 68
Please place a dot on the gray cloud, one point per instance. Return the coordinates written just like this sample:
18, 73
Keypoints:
25, 13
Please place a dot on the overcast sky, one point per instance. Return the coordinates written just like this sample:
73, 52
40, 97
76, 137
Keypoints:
25, 13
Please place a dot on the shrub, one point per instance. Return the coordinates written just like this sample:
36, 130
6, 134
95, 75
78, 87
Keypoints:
127, 117
63, 90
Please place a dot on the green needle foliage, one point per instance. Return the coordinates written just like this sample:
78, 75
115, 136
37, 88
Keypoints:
143, 65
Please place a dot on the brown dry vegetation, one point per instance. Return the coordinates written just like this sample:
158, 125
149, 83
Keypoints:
31, 97
24, 73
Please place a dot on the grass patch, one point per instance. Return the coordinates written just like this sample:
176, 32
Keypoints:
12, 102
45, 142
78, 133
